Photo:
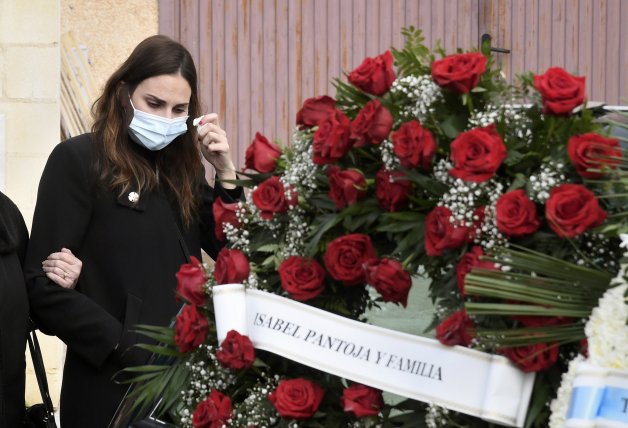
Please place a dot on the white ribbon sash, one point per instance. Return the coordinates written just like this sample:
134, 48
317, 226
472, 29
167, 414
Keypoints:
461, 379
599, 398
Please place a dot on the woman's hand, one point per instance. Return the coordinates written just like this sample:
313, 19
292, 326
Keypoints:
63, 268
215, 148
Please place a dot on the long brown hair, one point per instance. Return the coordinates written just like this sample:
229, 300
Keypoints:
121, 167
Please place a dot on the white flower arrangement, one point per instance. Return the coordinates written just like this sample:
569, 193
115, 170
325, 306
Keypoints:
606, 332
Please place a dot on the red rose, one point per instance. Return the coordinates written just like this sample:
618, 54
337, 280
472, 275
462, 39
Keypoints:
270, 198
297, 398
232, 267
345, 258
331, 140
592, 151
459, 72
362, 400
372, 124
302, 277
191, 328
561, 92
392, 189
532, 358
467, 262
213, 412
389, 279
440, 233
262, 155
345, 186
516, 214
414, 145
572, 209
375, 75
477, 154
314, 110
224, 213
191, 281
457, 329
236, 351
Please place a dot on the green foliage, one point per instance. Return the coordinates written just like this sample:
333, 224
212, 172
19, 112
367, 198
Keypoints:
164, 378
415, 57
537, 285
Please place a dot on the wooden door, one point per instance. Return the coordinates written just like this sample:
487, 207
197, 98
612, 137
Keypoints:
259, 59
586, 37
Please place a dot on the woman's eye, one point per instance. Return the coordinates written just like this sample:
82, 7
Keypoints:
153, 105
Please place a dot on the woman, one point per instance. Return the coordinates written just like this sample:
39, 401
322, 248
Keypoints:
130, 200
14, 306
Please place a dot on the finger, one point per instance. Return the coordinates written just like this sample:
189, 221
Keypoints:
65, 257
220, 147
56, 264
65, 274
67, 251
211, 129
214, 137
58, 280
210, 118
215, 128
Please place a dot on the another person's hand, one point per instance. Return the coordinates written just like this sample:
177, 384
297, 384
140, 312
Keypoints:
215, 148
63, 268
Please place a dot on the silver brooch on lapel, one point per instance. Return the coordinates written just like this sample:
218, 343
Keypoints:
134, 197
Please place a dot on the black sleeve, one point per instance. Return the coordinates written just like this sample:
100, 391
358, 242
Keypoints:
22, 237
209, 243
62, 216
13, 229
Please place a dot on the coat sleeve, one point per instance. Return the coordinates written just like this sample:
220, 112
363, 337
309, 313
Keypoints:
62, 216
209, 243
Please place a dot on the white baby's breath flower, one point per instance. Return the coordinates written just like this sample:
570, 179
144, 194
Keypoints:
419, 94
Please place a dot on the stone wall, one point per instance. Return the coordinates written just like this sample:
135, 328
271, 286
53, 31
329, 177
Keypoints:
109, 30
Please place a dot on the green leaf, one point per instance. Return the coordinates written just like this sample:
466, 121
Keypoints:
453, 125
324, 223
268, 248
428, 184
519, 182
159, 350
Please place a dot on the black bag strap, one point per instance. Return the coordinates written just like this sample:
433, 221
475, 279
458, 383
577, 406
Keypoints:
42, 381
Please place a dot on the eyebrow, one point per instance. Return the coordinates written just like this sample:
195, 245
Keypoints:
159, 100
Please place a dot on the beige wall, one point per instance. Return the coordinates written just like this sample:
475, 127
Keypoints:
29, 93
109, 29
30, 34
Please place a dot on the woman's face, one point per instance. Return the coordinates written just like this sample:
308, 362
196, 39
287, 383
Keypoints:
167, 95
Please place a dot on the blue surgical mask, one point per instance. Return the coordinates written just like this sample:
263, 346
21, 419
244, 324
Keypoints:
155, 132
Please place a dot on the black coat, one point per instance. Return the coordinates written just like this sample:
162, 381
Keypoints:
130, 254
13, 313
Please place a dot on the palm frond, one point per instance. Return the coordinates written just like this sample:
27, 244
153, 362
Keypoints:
534, 285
